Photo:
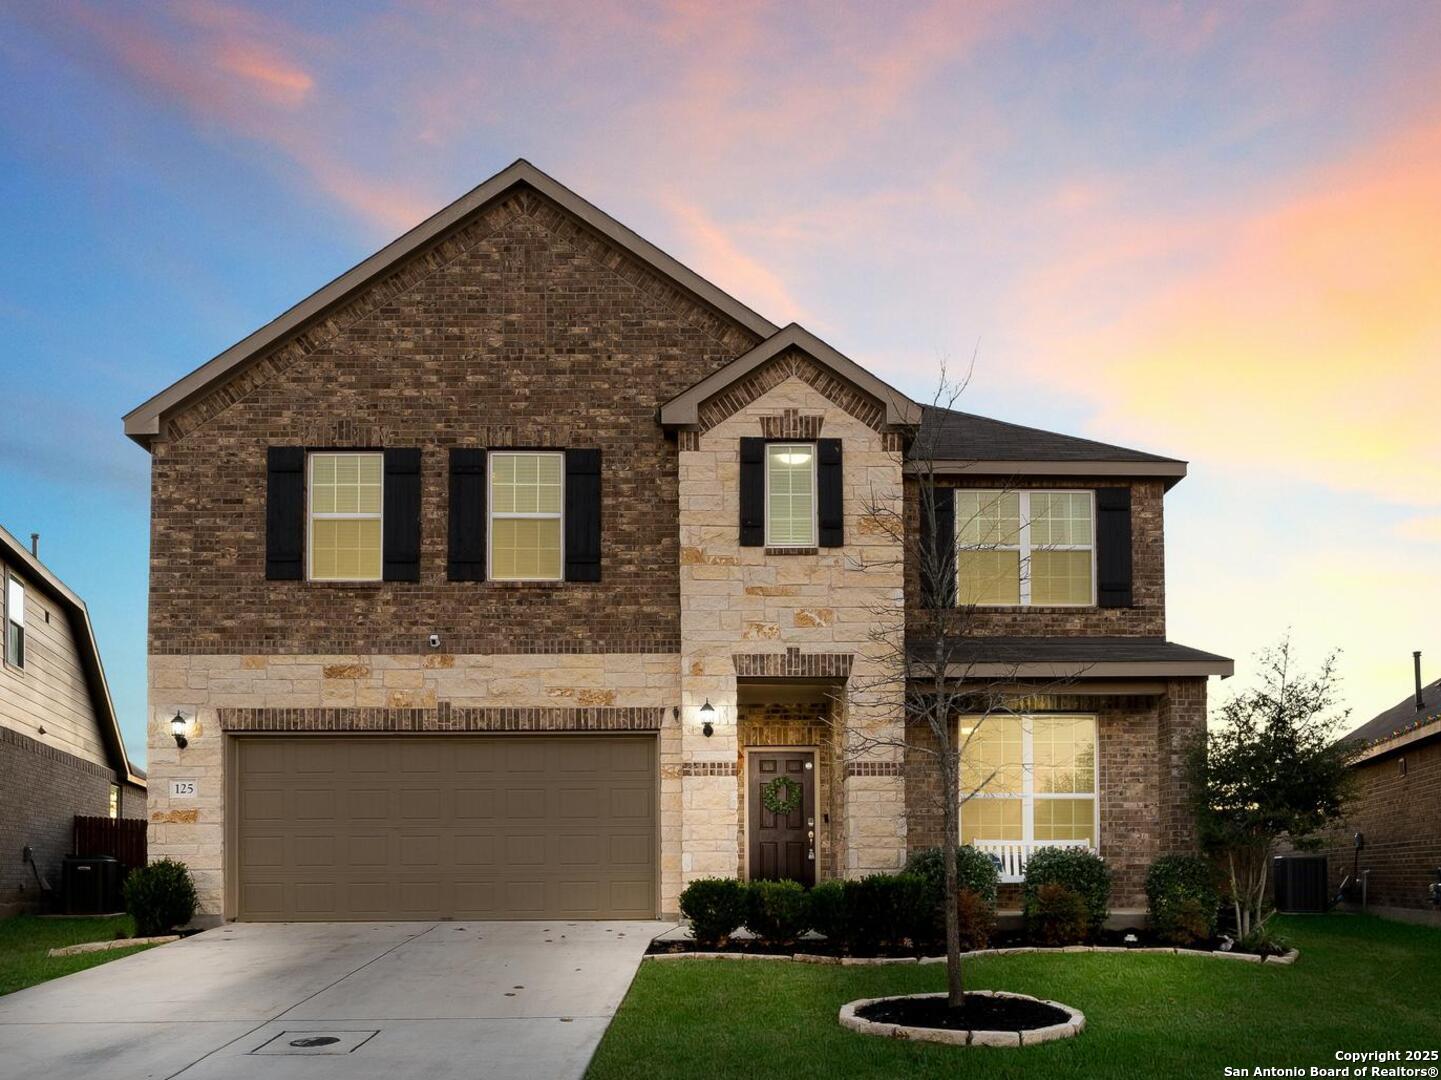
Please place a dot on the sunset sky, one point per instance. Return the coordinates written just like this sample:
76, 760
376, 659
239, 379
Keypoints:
1209, 231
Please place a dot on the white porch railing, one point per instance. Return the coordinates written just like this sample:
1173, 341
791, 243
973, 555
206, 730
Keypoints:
1014, 854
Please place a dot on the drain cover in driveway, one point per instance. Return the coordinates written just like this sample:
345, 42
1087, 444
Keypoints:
315, 1042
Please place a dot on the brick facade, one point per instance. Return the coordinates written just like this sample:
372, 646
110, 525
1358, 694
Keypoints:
42, 791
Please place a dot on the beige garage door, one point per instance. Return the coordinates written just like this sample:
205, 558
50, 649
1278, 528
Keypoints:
427, 827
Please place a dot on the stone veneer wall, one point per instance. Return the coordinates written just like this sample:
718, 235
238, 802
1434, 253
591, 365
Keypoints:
797, 724
741, 601
432, 692
1141, 747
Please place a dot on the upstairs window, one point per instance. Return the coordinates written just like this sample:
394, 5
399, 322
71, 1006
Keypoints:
346, 498
1023, 548
790, 495
115, 800
14, 622
527, 500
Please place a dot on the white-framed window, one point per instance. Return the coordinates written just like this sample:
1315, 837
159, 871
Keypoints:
115, 800
1035, 778
1023, 548
346, 499
14, 621
527, 508
790, 495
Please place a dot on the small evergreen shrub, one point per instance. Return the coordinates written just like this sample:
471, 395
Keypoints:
716, 907
885, 909
975, 918
1081, 871
976, 873
778, 912
160, 897
1262, 942
1056, 915
828, 911
1182, 899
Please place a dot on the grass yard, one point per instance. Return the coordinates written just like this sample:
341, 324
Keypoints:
24, 940
1361, 984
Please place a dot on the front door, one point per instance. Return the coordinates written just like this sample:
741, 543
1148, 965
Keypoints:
782, 834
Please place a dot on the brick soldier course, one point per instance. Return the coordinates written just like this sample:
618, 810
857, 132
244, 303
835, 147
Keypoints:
523, 317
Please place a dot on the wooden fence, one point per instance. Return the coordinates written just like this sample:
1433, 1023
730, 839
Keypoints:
124, 838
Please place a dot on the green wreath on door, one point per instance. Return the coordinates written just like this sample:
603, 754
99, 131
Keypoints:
782, 796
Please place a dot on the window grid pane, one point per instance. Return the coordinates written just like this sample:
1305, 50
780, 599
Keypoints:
1048, 761
527, 494
346, 495
790, 494
1021, 548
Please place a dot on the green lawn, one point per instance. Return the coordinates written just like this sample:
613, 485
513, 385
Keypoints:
24, 940
1361, 984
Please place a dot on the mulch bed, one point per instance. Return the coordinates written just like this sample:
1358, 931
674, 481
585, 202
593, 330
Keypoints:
981, 1013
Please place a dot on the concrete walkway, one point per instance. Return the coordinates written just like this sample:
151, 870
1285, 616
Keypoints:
363, 1000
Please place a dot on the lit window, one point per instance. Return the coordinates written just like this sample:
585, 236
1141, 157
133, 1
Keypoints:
1018, 548
115, 800
527, 494
790, 495
345, 516
1034, 779
14, 622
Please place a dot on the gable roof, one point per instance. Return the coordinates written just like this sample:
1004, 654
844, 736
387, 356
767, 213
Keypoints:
85, 645
683, 409
143, 422
963, 442
1399, 721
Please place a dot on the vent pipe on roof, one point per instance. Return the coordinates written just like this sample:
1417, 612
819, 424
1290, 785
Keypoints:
35, 544
1420, 701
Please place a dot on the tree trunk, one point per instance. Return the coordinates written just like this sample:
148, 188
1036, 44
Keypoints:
955, 983
1236, 895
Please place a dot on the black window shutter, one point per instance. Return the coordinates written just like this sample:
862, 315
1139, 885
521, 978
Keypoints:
938, 548
753, 492
285, 513
1113, 547
401, 540
830, 500
466, 558
582, 515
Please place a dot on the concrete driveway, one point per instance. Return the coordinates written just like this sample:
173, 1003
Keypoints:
362, 1000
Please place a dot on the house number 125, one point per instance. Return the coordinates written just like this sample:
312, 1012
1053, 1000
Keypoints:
183, 789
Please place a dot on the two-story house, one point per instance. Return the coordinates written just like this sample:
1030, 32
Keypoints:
515, 571
61, 752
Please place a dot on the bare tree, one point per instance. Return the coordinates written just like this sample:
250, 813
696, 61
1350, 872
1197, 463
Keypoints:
925, 654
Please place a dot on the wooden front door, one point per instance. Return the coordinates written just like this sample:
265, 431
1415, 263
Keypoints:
782, 846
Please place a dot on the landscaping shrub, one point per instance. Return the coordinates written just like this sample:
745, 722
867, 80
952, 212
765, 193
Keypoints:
976, 919
976, 873
160, 897
1081, 871
885, 909
716, 907
1056, 915
828, 911
778, 912
1262, 941
1182, 899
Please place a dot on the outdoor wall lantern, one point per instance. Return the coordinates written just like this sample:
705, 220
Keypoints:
707, 717
177, 728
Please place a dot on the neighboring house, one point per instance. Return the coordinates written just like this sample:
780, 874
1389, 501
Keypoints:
497, 577
61, 754
1397, 810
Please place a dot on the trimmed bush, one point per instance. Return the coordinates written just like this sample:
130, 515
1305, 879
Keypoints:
716, 907
1182, 898
1056, 915
1081, 871
778, 912
886, 909
975, 918
160, 897
828, 910
976, 873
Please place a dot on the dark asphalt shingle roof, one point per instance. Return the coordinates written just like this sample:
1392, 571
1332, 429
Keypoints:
1401, 717
1081, 650
948, 435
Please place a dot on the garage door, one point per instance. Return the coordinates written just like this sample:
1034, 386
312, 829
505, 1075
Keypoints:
427, 827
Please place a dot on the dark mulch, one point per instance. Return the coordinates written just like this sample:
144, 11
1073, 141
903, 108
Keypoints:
981, 1013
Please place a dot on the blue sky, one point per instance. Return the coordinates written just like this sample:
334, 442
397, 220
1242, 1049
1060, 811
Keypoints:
1206, 230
